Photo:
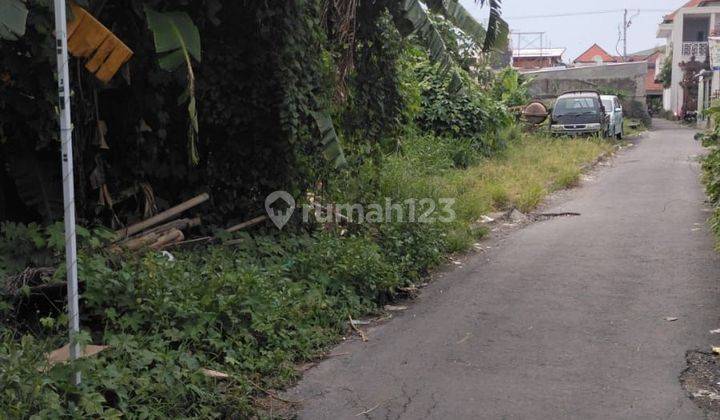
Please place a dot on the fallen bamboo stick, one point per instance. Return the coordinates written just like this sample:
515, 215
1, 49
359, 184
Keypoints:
180, 224
139, 242
192, 241
169, 238
161, 217
249, 223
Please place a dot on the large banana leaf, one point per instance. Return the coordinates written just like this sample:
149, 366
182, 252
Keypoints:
13, 19
498, 30
410, 17
458, 16
332, 149
495, 37
177, 39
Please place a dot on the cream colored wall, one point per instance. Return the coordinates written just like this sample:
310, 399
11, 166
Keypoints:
675, 42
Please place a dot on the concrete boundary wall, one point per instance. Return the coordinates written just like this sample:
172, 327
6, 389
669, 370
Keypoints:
548, 84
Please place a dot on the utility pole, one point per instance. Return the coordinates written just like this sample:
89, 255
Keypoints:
63, 77
627, 22
625, 28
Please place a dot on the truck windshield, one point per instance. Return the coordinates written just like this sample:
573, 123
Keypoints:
575, 106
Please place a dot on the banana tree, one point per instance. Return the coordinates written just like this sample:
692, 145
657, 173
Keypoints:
494, 37
177, 41
411, 17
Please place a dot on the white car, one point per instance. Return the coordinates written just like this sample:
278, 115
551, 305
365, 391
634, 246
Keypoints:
614, 111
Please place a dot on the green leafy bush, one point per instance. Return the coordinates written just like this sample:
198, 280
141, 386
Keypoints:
711, 165
468, 114
251, 312
511, 88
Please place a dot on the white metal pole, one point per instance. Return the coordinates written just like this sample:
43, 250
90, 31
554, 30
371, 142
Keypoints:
68, 181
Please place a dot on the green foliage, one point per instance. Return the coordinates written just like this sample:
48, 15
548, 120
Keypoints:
332, 150
177, 39
254, 310
133, 138
665, 76
620, 93
460, 18
498, 30
31, 245
251, 312
469, 114
511, 88
711, 165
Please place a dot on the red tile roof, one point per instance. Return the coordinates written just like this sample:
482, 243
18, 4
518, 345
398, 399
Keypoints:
595, 51
651, 86
691, 3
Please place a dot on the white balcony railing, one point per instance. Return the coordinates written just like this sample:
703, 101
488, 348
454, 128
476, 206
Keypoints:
697, 49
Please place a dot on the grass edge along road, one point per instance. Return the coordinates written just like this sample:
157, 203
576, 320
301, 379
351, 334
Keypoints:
256, 310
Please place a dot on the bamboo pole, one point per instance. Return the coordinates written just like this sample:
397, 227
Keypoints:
161, 217
249, 223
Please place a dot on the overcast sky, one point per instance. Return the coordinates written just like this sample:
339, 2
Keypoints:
578, 33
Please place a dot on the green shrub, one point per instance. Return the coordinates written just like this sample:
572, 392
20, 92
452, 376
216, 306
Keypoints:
468, 114
711, 166
252, 312
510, 88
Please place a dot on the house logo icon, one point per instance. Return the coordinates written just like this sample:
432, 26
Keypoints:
280, 214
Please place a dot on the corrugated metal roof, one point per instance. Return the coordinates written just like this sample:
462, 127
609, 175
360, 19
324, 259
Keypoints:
536, 52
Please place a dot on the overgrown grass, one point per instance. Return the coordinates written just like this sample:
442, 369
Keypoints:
633, 127
255, 310
531, 167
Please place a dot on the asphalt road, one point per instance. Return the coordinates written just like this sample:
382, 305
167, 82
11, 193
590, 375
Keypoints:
564, 318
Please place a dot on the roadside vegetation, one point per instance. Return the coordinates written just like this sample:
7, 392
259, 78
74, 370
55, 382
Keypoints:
633, 127
256, 309
711, 167
213, 329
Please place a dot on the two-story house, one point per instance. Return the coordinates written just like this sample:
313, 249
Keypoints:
686, 31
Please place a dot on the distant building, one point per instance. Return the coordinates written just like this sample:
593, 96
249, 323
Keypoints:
535, 59
655, 58
595, 55
687, 30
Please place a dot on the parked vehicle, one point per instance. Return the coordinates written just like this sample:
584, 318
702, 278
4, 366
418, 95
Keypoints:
579, 113
616, 117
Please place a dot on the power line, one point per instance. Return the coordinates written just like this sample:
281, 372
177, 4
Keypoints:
597, 12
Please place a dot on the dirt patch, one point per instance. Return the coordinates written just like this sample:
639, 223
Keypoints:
701, 380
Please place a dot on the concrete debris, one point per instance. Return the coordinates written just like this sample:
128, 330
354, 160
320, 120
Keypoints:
493, 217
704, 393
671, 319
715, 331
394, 308
516, 216
486, 219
